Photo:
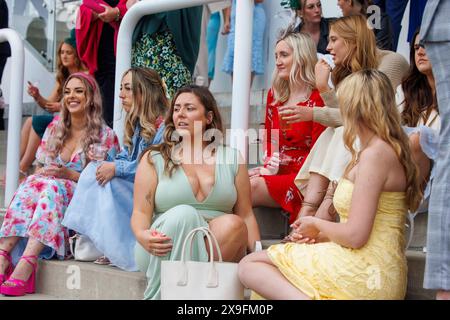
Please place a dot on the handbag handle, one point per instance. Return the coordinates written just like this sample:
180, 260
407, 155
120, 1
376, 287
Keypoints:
213, 280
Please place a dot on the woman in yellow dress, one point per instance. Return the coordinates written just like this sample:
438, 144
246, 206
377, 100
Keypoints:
362, 256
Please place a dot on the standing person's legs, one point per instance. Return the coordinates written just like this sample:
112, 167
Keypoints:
106, 79
212, 35
437, 267
395, 10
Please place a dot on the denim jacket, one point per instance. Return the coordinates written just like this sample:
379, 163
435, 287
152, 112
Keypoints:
126, 162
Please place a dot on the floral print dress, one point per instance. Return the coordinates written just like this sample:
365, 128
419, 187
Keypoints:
39, 204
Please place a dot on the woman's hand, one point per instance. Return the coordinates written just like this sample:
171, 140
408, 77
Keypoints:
155, 242
33, 91
110, 14
322, 72
53, 107
294, 114
306, 228
105, 172
254, 172
57, 171
272, 166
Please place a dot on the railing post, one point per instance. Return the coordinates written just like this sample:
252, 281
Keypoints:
242, 54
241, 75
15, 111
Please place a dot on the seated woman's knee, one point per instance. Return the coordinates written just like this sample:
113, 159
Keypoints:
235, 225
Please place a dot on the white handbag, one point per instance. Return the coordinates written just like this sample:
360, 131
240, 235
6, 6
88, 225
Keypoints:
194, 280
83, 249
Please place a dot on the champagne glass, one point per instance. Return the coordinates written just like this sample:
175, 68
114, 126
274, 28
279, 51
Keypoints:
98, 152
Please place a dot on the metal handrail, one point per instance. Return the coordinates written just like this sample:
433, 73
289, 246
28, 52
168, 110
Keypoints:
15, 110
242, 57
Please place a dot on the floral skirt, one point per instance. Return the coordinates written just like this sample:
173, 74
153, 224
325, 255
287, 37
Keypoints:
158, 52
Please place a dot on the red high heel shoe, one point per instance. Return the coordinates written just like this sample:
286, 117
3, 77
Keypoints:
17, 287
9, 269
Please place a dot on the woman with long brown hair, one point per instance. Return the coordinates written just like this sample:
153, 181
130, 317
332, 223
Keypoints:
363, 255
103, 201
67, 62
39, 204
189, 182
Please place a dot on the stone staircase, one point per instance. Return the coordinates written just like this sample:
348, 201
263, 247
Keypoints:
82, 280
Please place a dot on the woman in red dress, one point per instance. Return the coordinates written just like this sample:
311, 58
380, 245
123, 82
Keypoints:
287, 144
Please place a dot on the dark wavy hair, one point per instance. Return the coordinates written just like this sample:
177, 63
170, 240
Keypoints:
208, 101
419, 98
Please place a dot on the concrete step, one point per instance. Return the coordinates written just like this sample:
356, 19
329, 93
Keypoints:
77, 280
416, 269
35, 296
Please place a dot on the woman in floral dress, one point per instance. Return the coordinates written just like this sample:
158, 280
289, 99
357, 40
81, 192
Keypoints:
39, 204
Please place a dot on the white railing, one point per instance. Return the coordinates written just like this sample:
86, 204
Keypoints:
15, 111
242, 58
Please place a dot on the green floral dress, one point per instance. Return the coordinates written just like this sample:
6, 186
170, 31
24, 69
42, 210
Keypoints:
158, 51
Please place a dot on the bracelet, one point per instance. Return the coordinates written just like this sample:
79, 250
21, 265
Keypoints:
117, 15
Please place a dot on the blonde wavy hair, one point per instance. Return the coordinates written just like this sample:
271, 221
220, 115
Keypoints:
94, 118
149, 103
168, 145
367, 98
304, 61
361, 44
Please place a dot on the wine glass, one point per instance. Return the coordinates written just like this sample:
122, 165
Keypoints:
98, 152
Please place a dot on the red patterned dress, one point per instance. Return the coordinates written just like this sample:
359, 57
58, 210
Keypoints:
293, 145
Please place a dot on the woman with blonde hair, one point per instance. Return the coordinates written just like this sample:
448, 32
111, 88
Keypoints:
363, 255
353, 47
188, 182
102, 203
32, 225
288, 144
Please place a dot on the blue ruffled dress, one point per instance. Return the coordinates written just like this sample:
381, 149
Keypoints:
103, 213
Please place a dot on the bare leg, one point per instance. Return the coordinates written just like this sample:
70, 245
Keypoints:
231, 233
443, 295
6, 244
24, 134
257, 272
23, 269
260, 194
315, 192
30, 153
420, 157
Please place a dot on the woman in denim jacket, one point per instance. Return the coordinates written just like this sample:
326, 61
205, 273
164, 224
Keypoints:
104, 197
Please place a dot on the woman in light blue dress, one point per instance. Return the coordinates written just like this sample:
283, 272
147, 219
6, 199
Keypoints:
102, 204
259, 25
183, 184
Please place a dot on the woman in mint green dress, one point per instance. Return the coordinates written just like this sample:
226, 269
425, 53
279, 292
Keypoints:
181, 185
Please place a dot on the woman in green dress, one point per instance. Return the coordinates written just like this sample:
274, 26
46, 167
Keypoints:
191, 180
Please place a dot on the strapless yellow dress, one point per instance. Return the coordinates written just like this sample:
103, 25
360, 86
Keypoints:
330, 271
